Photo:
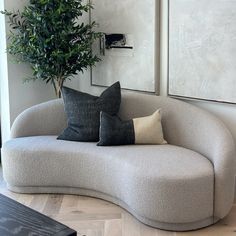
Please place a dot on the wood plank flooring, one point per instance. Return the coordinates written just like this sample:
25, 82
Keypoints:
94, 217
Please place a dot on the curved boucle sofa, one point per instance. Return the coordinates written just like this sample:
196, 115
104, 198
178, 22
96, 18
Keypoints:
184, 185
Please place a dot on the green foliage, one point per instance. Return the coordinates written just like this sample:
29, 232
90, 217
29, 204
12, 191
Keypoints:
48, 35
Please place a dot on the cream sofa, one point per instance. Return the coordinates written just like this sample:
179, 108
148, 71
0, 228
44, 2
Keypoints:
184, 185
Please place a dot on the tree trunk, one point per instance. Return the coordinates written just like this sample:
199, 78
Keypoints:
58, 84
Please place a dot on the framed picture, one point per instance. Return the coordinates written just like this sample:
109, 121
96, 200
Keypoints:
202, 49
129, 48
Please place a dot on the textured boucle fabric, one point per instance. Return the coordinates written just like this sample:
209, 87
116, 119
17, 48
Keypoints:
157, 182
184, 125
43, 119
83, 111
187, 126
87, 192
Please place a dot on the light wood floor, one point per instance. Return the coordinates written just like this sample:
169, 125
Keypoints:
94, 217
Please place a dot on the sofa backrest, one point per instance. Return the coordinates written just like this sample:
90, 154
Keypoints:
183, 124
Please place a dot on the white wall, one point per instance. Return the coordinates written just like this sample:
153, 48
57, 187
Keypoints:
16, 96
225, 112
5, 112
24, 95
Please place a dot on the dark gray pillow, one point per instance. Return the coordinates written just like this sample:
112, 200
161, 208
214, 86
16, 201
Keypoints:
114, 131
83, 111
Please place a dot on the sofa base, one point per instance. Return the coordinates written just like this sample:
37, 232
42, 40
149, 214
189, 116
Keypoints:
90, 193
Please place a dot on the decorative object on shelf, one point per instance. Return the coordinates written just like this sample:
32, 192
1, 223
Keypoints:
202, 49
50, 37
118, 41
129, 45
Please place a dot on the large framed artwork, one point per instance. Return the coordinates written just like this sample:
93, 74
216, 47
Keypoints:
202, 49
129, 48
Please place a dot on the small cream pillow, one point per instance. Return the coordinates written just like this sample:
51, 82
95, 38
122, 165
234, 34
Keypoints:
148, 129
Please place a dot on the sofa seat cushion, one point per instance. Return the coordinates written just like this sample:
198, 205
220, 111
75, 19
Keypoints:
166, 183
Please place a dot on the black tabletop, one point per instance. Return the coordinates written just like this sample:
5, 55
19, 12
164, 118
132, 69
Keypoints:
17, 219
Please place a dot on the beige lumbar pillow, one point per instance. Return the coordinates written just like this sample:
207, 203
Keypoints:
148, 129
143, 130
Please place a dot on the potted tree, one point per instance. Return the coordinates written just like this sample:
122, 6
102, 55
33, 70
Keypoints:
49, 36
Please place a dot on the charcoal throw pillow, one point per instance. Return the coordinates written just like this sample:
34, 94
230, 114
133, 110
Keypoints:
143, 130
83, 112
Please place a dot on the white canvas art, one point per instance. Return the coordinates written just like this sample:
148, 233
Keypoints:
130, 58
202, 49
